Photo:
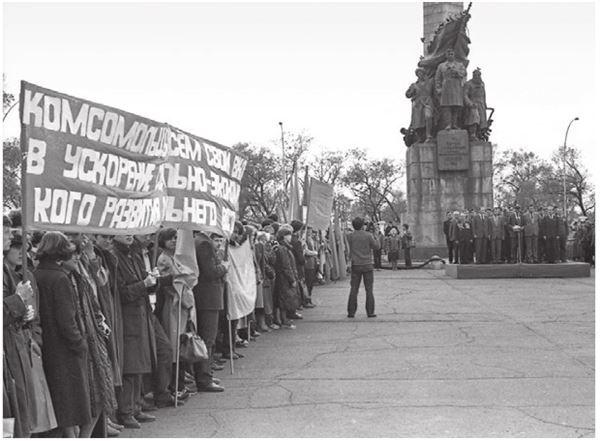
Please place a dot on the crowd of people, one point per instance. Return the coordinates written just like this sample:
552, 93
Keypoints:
508, 235
92, 323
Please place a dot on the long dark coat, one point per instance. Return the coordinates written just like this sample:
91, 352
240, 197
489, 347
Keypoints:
139, 348
65, 350
108, 296
285, 276
17, 368
208, 293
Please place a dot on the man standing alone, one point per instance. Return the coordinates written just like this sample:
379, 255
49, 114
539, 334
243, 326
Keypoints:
361, 245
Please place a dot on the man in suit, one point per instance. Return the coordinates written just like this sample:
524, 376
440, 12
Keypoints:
481, 234
515, 222
506, 243
446, 226
453, 231
563, 231
531, 232
549, 232
497, 237
541, 244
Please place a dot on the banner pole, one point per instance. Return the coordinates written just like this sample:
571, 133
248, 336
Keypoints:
177, 347
24, 148
230, 345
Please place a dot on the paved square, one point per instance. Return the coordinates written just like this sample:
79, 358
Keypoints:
444, 358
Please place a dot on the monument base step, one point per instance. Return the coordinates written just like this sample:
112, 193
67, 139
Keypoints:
518, 270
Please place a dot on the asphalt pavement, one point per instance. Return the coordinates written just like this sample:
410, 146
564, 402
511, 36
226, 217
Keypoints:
443, 358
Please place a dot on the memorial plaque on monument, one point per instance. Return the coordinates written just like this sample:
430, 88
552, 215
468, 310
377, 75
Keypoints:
453, 150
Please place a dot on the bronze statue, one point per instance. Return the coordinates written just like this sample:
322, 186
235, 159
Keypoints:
420, 93
475, 106
449, 81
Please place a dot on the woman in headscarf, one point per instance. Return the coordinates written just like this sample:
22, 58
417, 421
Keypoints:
286, 276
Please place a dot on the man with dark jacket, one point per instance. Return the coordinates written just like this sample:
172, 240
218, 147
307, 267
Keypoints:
563, 231
453, 233
446, 228
134, 285
361, 245
549, 231
298, 247
208, 296
481, 233
515, 224
531, 231
497, 237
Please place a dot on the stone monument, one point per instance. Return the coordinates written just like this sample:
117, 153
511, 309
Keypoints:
449, 159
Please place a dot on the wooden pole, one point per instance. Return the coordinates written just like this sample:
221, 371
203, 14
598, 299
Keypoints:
177, 348
24, 147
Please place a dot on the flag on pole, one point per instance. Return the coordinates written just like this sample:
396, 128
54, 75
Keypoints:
294, 210
320, 204
340, 238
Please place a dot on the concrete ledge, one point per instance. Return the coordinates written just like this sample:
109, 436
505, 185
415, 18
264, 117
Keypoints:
519, 271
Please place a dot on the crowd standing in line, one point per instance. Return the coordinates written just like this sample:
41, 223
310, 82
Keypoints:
509, 235
91, 321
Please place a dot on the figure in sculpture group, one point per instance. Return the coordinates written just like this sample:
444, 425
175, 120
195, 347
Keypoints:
449, 80
475, 106
420, 93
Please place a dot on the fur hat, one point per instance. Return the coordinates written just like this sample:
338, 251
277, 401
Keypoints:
284, 230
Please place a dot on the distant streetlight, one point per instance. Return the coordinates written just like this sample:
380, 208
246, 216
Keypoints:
564, 160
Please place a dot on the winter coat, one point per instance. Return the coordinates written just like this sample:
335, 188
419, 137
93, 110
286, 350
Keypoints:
139, 346
17, 369
65, 351
208, 293
286, 276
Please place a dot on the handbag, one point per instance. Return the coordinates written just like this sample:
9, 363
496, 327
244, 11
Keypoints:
192, 348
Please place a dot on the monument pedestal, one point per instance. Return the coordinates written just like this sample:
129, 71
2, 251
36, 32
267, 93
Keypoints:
450, 173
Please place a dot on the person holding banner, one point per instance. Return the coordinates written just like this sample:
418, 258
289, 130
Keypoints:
361, 244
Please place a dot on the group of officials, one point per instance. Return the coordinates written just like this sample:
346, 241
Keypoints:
506, 235
90, 321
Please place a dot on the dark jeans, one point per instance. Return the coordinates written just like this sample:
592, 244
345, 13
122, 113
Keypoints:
161, 374
365, 273
130, 396
208, 326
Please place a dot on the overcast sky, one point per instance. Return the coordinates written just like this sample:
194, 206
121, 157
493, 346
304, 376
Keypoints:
231, 72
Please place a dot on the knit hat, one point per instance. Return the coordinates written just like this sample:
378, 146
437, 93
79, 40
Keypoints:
284, 230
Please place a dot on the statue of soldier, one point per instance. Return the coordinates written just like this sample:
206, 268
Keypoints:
449, 80
475, 106
420, 93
